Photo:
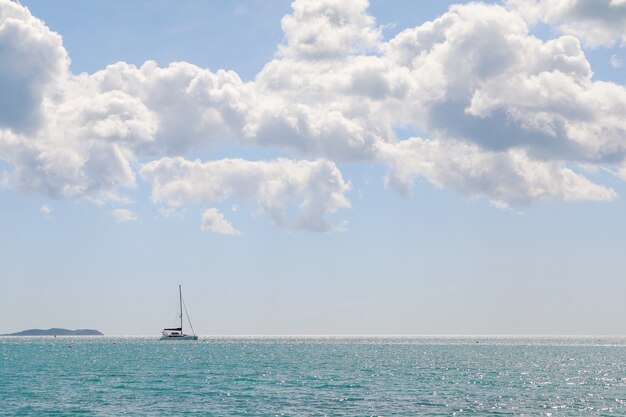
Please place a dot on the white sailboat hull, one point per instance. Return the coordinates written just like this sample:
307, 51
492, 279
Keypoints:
183, 337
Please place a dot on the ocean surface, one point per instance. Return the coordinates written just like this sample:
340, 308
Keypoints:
313, 376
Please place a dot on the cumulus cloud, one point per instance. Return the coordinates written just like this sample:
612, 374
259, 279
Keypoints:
506, 92
329, 29
504, 115
32, 63
597, 22
60, 138
309, 190
213, 221
181, 106
124, 215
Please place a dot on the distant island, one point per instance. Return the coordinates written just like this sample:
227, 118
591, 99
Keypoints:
56, 332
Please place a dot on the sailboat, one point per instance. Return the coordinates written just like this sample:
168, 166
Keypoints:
176, 333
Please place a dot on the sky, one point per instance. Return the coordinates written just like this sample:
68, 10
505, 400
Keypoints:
315, 167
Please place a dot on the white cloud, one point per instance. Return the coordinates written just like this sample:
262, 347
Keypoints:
597, 22
182, 106
504, 90
294, 194
324, 29
213, 221
46, 210
124, 215
492, 100
615, 62
32, 62
470, 171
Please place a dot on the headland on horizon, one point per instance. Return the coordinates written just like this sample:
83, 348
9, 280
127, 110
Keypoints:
56, 332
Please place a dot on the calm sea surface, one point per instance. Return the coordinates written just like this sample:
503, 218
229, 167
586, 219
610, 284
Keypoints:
382, 376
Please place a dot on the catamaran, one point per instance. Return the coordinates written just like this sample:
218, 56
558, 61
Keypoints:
176, 333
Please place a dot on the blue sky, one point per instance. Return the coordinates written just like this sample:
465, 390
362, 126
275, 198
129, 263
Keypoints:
522, 237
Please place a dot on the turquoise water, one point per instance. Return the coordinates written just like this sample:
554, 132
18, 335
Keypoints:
422, 376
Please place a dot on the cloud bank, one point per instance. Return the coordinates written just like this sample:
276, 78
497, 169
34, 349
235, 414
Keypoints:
506, 116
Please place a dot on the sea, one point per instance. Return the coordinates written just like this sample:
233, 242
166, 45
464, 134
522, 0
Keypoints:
313, 376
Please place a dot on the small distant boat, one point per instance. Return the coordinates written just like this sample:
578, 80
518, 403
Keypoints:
176, 333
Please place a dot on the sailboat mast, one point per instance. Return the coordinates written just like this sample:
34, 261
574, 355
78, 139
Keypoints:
180, 299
